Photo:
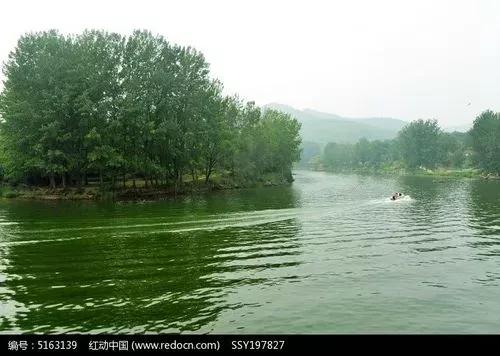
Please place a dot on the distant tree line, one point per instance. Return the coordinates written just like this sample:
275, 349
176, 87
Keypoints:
113, 108
422, 144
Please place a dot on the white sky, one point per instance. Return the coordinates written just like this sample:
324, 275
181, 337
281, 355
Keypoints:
403, 59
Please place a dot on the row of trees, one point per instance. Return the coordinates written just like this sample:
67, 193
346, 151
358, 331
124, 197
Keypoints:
422, 143
364, 153
103, 105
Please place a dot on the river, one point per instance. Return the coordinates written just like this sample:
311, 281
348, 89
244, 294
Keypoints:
328, 254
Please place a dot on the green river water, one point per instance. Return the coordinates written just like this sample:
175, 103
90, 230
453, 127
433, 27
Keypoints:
328, 254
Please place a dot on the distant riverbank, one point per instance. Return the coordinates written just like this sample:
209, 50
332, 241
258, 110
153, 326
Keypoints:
139, 192
438, 172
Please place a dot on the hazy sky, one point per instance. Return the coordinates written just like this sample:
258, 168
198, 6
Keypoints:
404, 59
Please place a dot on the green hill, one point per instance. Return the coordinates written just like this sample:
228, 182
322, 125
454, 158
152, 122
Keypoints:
323, 127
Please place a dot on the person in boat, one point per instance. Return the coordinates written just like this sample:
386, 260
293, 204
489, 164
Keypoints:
395, 196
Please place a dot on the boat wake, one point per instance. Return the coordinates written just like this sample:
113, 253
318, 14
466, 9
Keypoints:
404, 198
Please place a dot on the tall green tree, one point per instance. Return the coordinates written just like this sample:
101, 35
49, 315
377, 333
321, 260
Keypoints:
281, 146
419, 143
36, 107
486, 141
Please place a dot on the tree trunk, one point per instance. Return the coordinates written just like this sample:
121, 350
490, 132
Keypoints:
79, 180
52, 181
124, 181
63, 180
180, 177
101, 179
208, 172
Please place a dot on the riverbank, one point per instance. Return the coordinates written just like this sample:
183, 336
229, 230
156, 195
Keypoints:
439, 172
140, 192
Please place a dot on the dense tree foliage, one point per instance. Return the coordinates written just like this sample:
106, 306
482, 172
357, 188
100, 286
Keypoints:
364, 154
338, 155
310, 153
419, 143
486, 141
454, 149
100, 105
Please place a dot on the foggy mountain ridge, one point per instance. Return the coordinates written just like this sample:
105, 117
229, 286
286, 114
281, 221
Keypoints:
324, 127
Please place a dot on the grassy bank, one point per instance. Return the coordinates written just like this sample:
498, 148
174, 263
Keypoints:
140, 192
